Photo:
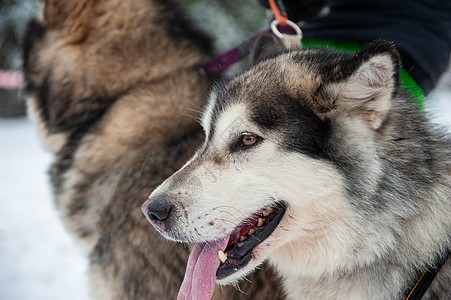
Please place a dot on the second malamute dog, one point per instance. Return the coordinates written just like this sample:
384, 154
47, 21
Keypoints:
319, 162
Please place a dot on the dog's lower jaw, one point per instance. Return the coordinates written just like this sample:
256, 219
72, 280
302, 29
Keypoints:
241, 273
259, 255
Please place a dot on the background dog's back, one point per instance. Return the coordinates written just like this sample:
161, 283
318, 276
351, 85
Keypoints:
107, 84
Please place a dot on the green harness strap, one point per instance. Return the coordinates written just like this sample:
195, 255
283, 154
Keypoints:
407, 82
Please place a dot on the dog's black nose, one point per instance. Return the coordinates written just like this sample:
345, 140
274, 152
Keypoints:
157, 209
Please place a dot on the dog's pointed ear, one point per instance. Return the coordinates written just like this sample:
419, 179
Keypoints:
73, 17
266, 47
371, 80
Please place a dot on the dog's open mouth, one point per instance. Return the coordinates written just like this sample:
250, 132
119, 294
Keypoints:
234, 250
246, 237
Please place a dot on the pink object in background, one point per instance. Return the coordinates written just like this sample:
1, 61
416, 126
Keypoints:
10, 79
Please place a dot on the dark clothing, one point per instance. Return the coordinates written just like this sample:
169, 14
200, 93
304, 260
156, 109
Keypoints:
420, 29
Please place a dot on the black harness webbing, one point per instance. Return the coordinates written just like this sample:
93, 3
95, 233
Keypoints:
425, 279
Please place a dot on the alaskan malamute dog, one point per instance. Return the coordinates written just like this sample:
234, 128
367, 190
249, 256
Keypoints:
319, 162
109, 84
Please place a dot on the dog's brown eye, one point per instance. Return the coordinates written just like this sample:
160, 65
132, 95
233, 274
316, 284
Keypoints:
248, 140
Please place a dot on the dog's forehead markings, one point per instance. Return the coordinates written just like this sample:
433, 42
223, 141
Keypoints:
231, 121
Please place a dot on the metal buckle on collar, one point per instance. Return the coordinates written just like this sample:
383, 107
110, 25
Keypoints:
289, 40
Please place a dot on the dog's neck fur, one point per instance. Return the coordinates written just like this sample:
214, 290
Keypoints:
414, 207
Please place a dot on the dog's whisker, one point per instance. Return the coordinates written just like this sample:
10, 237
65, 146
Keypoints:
226, 221
234, 217
191, 109
226, 207
196, 118
238, 288
230, 210
253, 236
199, 107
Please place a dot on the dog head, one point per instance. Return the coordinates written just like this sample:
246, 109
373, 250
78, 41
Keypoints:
272, 175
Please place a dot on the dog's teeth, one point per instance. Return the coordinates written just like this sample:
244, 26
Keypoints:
261, 221
251, 231
243, 238
222, 256
266, 213
270, 209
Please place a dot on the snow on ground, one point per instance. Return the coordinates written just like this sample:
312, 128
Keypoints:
438, 106
38, 259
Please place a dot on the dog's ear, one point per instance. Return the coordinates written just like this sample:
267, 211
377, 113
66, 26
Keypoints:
267, 46
372, 76
72, 17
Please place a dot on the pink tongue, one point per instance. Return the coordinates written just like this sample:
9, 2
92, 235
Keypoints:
199, 281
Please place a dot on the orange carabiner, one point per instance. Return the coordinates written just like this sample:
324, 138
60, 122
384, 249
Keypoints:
282, 17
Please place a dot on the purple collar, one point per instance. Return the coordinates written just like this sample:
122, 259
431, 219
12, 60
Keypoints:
224, 60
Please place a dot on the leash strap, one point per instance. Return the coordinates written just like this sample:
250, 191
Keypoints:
223, 61
289, 33
280, 16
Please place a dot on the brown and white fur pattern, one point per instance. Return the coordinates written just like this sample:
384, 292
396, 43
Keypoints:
333, 138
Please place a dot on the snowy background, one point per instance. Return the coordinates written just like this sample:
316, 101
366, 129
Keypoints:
39, 260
